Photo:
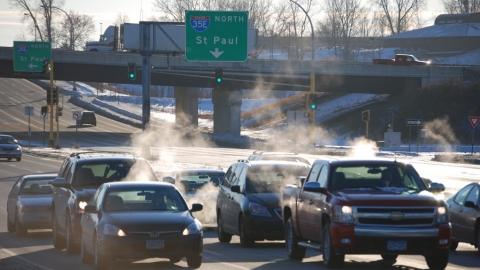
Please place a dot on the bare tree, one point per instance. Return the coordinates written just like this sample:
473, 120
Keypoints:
461, 6
174, 10
121, 19
30, 8
401, 15
76, 31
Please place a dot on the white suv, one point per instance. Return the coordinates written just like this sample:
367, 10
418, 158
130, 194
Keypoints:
259, 155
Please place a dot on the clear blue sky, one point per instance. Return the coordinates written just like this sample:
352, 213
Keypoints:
104, 13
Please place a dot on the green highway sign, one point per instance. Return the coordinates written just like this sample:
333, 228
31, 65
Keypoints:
28, 56
216, 36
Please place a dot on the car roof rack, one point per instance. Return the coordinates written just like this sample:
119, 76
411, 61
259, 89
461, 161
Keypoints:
244, 160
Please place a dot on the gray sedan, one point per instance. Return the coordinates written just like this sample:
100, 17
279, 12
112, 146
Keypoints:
29, 204
10, 148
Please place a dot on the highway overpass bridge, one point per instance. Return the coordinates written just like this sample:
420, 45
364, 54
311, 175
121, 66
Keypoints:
168, 70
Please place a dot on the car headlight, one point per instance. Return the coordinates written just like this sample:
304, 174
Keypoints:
442, 215
342, 214
258, 210
193, 228
110, 229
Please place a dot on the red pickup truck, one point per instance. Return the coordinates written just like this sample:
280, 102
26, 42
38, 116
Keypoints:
358, 206
401, 60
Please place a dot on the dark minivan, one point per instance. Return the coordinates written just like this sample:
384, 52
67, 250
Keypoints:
248, 202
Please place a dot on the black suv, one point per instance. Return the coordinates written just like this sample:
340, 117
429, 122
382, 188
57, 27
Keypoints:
87, 117
248, 202
79, 176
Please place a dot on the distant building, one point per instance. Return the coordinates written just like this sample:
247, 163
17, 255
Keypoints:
452, 34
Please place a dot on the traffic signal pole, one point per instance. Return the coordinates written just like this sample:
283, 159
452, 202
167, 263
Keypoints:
51, 142
312, 112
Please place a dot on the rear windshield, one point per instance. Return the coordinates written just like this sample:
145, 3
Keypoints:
97, 173
144, 199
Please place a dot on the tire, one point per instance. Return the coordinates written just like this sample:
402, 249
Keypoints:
9, 159
478, 239
175, 259
100, 261
223, 237
294, 251
18, 159
194, 261
245, 240
389, 257
58, 240
72, 246
10, 226
86, 257
19, 229
437, 262
330, 258
453, 245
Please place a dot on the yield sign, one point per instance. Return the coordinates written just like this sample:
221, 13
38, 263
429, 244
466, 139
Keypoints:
474, 120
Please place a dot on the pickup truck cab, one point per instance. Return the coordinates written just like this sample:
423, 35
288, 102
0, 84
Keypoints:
401, 60
358, 206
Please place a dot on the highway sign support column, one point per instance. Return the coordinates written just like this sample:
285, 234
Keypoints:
29, 111
51, 141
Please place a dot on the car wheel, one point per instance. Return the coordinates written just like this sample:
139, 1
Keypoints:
330, 258
478, 239
454, 245
175, 259
86, 257
389, 257
9, 159
10, 225
437, 262
58, 240
72, 246
294, 251
19, 229
18, 159
245, 240
100, 261
223, 237
194, 261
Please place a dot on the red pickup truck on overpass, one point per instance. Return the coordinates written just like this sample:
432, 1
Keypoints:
401, 60
366, 206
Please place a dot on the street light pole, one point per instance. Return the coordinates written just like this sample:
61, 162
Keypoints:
312, 74
72, 34
35, 24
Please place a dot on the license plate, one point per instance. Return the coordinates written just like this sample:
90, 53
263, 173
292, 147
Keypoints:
397, 245
155, 244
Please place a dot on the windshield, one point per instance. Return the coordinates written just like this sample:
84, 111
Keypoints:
144, 199
36, 186
377, 177
7, 140
273, 178
95, 174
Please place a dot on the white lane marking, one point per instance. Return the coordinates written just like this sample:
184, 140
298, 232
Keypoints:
11, 253
229, 264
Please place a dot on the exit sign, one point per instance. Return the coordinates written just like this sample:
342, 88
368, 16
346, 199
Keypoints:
28, 56
216, 36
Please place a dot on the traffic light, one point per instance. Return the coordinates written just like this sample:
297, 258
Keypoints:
55, 95
131, 71
46, 66
366, 116
218, 75
312, 101
44, 110
49, 96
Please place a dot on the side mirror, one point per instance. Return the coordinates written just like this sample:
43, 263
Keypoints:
313, 187
235, 188
60, 183
436, 187
90, 208
196, 207
469, 204
169, 179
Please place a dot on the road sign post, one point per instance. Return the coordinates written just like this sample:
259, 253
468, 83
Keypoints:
216, 36
28, 56
474, 120
77, 115
410, 123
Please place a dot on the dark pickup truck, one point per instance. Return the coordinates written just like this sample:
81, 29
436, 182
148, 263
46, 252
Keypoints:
358, 206
401, 60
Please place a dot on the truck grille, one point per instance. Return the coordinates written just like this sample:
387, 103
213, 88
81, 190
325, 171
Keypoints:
396, 216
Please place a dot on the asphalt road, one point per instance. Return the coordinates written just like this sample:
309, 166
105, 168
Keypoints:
36, 250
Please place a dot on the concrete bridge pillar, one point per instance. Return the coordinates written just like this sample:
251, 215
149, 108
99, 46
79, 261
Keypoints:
226, 111
186, 106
